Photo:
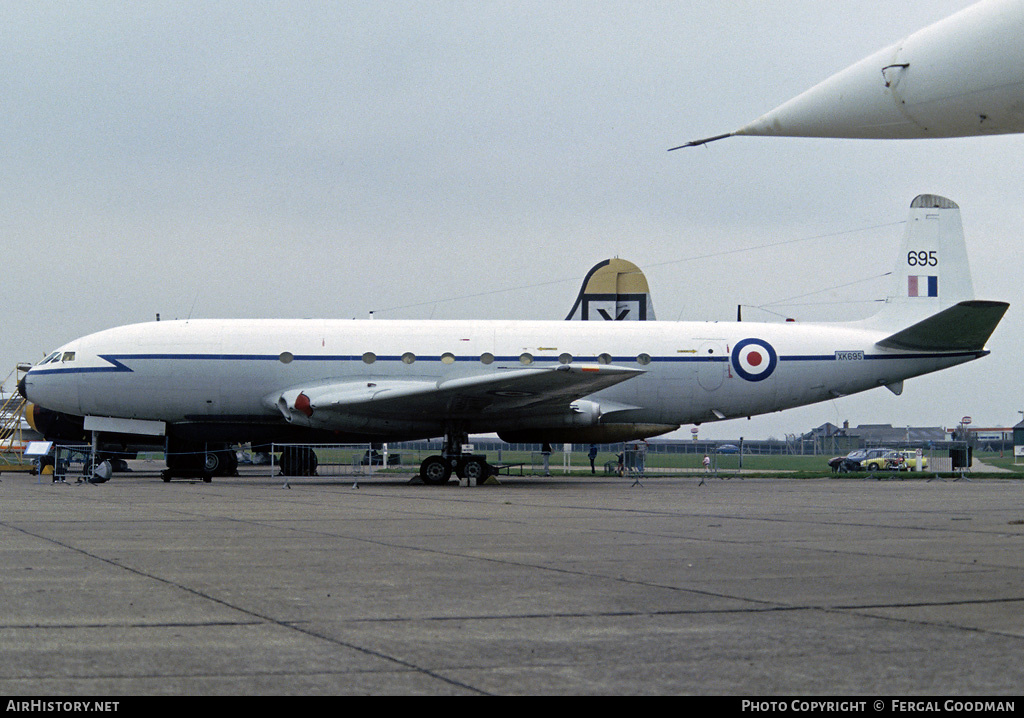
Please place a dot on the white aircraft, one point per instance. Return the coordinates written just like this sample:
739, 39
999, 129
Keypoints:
613, 290
262, 380
959, 77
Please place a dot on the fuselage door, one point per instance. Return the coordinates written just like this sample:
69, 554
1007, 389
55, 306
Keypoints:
712, 364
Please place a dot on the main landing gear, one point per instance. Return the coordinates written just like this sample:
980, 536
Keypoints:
438, 470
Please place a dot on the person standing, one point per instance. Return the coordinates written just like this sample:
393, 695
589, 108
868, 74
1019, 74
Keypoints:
545, 451
592, 456
641, 455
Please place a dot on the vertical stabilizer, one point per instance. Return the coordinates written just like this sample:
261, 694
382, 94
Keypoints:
613, 290
931, 271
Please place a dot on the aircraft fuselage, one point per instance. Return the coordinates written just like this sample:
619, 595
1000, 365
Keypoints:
228, 374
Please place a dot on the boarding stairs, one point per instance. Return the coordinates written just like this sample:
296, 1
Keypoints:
12, 417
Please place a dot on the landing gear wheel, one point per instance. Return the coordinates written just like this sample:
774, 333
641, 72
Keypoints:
474, 468
298, 461
212, 462
223, 462
435, 470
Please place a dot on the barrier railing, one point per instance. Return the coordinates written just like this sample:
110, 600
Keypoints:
324, 460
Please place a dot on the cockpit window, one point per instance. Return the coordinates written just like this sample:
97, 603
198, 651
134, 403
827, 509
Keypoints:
68, 356
51, 358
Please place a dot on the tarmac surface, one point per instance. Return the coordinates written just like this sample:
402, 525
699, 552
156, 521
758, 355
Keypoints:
563, 585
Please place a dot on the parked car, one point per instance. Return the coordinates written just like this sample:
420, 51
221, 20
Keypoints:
856, 460
890, 460
728, 449
911, 460
376, 458
896, 461
844, 464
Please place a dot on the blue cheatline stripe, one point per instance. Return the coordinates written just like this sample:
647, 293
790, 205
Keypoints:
117, 361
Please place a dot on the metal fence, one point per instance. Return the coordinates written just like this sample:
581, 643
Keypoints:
63, 462
623, 459
327, 460
364, 460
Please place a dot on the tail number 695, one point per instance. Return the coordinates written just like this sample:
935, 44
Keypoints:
923, 258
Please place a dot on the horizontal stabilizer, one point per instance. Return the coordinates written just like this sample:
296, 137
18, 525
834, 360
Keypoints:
963, 327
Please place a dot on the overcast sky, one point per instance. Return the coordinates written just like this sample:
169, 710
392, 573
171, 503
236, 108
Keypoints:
473, 160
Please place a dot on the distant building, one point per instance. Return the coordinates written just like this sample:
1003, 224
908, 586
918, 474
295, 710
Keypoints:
886, 434
832, 439
1018, 439
828, 439
986, 438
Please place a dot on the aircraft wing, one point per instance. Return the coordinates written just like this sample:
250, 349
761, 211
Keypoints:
965, 326
504, 392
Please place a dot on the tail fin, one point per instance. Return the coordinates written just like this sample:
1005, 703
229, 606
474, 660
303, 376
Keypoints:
932, 305
613, 290
932, 273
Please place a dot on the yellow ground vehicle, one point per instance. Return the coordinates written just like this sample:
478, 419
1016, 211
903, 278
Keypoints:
896, 461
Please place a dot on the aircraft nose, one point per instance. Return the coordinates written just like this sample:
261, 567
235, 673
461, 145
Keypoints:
21, 387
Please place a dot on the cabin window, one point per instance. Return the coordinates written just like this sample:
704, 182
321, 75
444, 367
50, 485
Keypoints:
369, 357
486, 358
408, 357
643, 359
286, 357
565, 358
526, 358
604, 358
447, 358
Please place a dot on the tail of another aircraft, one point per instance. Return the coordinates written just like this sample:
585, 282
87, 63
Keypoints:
931, 301
613, 290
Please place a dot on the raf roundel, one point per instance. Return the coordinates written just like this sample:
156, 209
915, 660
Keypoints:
754, 359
